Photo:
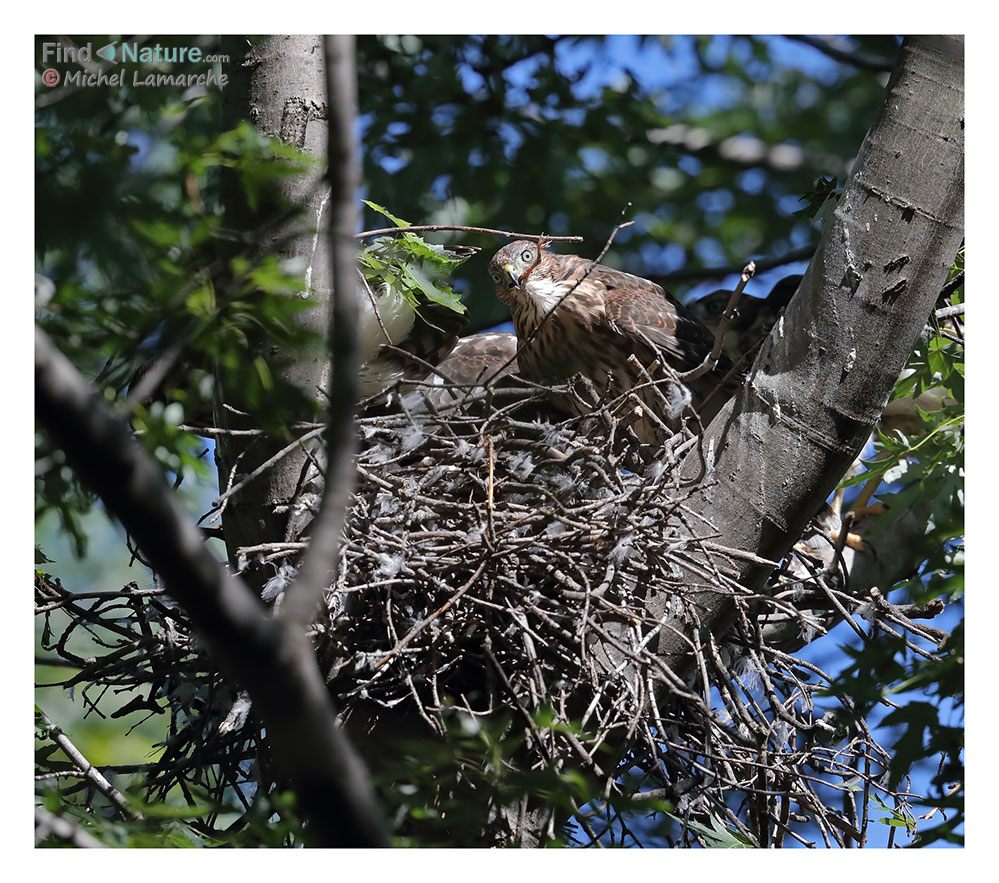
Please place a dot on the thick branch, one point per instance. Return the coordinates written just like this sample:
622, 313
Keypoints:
824, 375
274, 664
858, 59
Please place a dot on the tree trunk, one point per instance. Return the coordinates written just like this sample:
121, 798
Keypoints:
825, 373
279, 85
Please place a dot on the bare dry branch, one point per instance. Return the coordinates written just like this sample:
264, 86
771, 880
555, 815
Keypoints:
250, 646
436, 228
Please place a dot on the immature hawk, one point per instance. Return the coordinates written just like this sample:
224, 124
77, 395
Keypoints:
578, 317
754, 316
475, 359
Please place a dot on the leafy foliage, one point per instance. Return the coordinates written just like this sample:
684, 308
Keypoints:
415, 268
920, 464
556, 133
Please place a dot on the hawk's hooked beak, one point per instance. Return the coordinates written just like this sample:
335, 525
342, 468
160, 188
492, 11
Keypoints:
511, 274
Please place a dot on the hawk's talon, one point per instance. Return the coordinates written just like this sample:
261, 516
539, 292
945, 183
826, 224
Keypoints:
871, 509
854, 540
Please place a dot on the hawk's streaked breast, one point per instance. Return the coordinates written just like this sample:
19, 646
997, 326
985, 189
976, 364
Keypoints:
576, 317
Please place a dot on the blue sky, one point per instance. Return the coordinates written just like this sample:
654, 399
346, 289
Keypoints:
652, 66
656, 68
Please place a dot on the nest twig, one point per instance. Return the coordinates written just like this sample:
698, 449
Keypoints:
493, 553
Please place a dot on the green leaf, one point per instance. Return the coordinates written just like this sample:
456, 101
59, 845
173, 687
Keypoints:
399, 222
40, 557
717, 836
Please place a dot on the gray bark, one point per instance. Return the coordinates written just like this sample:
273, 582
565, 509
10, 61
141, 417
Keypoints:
279, 84
825, 374
269, 657
337, 483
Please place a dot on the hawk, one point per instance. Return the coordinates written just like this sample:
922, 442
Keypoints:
754, 316
579, 317
475, 359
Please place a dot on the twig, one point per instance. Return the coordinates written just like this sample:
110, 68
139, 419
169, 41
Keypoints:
711, 359
490, 486
951, 791
263, 467
88, 769
948, 312
374, 306
435, 228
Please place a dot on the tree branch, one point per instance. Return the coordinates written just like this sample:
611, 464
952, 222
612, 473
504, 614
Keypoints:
711, 359
819, 383
857, 59
696, 274
274, 664
435, 228
49, 824
742, 150
88, 770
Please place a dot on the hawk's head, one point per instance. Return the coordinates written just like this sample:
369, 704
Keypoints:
513, 265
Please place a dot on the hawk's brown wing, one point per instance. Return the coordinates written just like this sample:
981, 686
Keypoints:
642, 308
474, 360
477, 357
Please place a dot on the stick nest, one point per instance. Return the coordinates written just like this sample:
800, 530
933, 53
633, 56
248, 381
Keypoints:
498, 559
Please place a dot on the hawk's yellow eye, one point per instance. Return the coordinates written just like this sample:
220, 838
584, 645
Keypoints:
527, 255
